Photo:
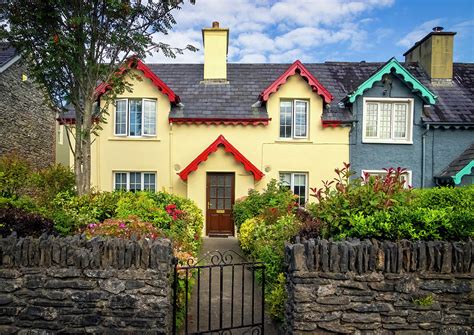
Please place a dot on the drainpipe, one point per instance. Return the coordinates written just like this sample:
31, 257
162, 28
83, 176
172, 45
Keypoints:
171, 157
423, 150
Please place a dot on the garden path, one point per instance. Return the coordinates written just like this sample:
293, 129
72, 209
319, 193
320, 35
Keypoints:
222, 245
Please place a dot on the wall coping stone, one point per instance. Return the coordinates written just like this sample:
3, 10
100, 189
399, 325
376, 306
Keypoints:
77, 252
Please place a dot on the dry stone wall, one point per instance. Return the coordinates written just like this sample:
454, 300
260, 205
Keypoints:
75, 286
351, 287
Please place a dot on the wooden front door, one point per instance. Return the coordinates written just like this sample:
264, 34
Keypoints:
220, 200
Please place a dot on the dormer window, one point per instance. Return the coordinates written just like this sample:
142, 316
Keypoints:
387, 120
293, 119
135, 117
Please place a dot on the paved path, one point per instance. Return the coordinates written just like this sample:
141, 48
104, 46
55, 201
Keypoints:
233, 314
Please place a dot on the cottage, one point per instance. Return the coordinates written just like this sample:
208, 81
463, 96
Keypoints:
213, 131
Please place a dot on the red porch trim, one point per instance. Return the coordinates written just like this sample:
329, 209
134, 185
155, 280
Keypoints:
221, 140
218, 121
297, 67
331, 123
140, 66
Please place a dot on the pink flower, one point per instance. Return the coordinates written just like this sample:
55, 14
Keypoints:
122, 225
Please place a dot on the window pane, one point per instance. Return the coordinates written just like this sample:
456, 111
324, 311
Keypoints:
286, 121
285, 179
149, 182
385, 130
220, 204
120, 181
212, 204
220, 192
149, 117
300, 118
371, 120
227, 204
299, 187
121, 117
212, 192
220, 180
135, 181
400, 120
135, 111
213, 180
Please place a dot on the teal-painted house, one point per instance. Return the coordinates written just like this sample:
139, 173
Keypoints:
418, 115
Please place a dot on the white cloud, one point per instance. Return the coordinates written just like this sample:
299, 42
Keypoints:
418, 33
265, 30
253, 58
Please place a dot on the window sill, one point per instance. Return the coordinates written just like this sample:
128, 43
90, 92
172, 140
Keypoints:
385, 142
293, 140
125, 139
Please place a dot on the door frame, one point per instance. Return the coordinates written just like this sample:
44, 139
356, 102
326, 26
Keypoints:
232, 199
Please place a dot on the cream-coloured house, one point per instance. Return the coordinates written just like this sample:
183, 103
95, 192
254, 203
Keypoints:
213, 131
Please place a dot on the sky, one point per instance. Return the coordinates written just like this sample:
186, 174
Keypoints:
313, 31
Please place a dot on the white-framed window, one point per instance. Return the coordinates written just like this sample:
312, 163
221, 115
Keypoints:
134, 181
294, 116
135, 117
406, 177
298, 183
387, 120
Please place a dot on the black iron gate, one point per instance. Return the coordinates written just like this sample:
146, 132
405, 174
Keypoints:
226, 297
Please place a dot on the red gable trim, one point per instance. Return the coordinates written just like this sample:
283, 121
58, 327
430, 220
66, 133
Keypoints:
213, 148
297, 67
140, 66
216, 121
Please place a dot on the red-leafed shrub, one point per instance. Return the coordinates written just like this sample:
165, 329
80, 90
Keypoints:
23, 223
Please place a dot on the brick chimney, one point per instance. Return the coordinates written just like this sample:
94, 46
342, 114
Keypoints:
216, 45
434, 53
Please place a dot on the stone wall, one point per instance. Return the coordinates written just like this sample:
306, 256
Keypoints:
378, 287
71, 285
27, 124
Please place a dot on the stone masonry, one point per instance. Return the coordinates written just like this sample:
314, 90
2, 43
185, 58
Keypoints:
27, 124
375, 287
72, 285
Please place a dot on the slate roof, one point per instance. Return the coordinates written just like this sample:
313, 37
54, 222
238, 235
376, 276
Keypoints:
459, 163
7, 52
455, 104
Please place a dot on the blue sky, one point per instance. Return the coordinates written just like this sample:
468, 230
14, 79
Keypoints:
321, 30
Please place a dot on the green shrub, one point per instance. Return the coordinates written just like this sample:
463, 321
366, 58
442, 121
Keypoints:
264, 241
383, 208
276, 299
70, 213
52, 180
246, 234
281, 199
14, 175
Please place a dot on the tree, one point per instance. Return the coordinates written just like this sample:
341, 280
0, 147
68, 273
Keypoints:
72, 45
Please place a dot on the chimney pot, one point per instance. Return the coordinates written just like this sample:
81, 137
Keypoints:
438, 29
215, 24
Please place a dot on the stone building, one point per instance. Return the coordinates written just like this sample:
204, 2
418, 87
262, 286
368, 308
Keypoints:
27, 124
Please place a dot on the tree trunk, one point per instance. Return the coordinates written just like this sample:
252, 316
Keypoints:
82, 159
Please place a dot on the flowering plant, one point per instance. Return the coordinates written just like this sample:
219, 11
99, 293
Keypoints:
123, 228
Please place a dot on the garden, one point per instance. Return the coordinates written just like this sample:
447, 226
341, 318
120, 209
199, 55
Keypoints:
36, 202
377, 207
